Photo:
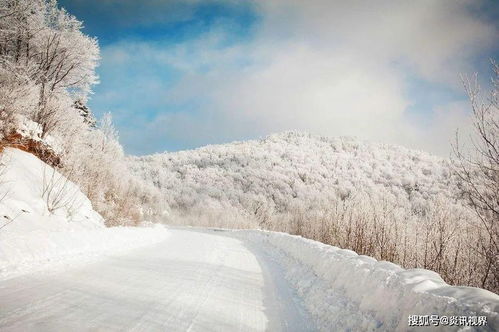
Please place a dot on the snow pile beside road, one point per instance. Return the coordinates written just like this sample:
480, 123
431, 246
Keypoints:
45, 218
343, 290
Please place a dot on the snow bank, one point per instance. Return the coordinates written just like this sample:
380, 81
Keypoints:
37, 229
343, 290
23, 180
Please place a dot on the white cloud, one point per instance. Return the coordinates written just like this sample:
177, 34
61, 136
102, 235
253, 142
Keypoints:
331, 68
436, 37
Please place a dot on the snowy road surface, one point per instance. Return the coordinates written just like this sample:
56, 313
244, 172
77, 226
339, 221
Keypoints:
193, 281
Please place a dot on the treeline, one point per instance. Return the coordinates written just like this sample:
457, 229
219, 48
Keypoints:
47, 69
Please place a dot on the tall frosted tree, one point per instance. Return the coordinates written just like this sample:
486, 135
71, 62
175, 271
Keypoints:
42, 46
479, 171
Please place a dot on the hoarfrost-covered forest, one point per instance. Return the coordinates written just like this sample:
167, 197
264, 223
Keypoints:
385, 201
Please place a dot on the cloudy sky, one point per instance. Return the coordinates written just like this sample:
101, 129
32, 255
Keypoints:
182, 74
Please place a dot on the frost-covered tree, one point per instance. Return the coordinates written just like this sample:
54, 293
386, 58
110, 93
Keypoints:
98, 164
479, 171
43, 45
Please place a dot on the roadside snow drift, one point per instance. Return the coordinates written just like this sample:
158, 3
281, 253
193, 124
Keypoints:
45, 218
346, 291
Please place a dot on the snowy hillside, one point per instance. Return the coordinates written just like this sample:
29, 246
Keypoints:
32, 188
294, 168
45, 217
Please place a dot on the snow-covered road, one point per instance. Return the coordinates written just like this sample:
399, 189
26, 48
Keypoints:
193, 281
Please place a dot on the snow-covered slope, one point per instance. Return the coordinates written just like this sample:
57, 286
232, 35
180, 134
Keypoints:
44, 217
23, 182
289, 169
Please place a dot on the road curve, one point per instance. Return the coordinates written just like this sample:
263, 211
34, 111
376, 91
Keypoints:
193, 281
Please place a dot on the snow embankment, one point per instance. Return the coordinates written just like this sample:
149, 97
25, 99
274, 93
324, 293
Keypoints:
46, 219
343, 290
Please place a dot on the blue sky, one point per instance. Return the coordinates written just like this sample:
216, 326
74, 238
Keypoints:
182, 74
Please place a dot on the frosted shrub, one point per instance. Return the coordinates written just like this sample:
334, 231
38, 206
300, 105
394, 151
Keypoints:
58, 192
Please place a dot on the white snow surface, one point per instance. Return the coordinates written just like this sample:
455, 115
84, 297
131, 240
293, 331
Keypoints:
193, 281
31, 237
221, 280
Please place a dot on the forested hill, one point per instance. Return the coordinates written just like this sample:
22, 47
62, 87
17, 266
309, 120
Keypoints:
284, 169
